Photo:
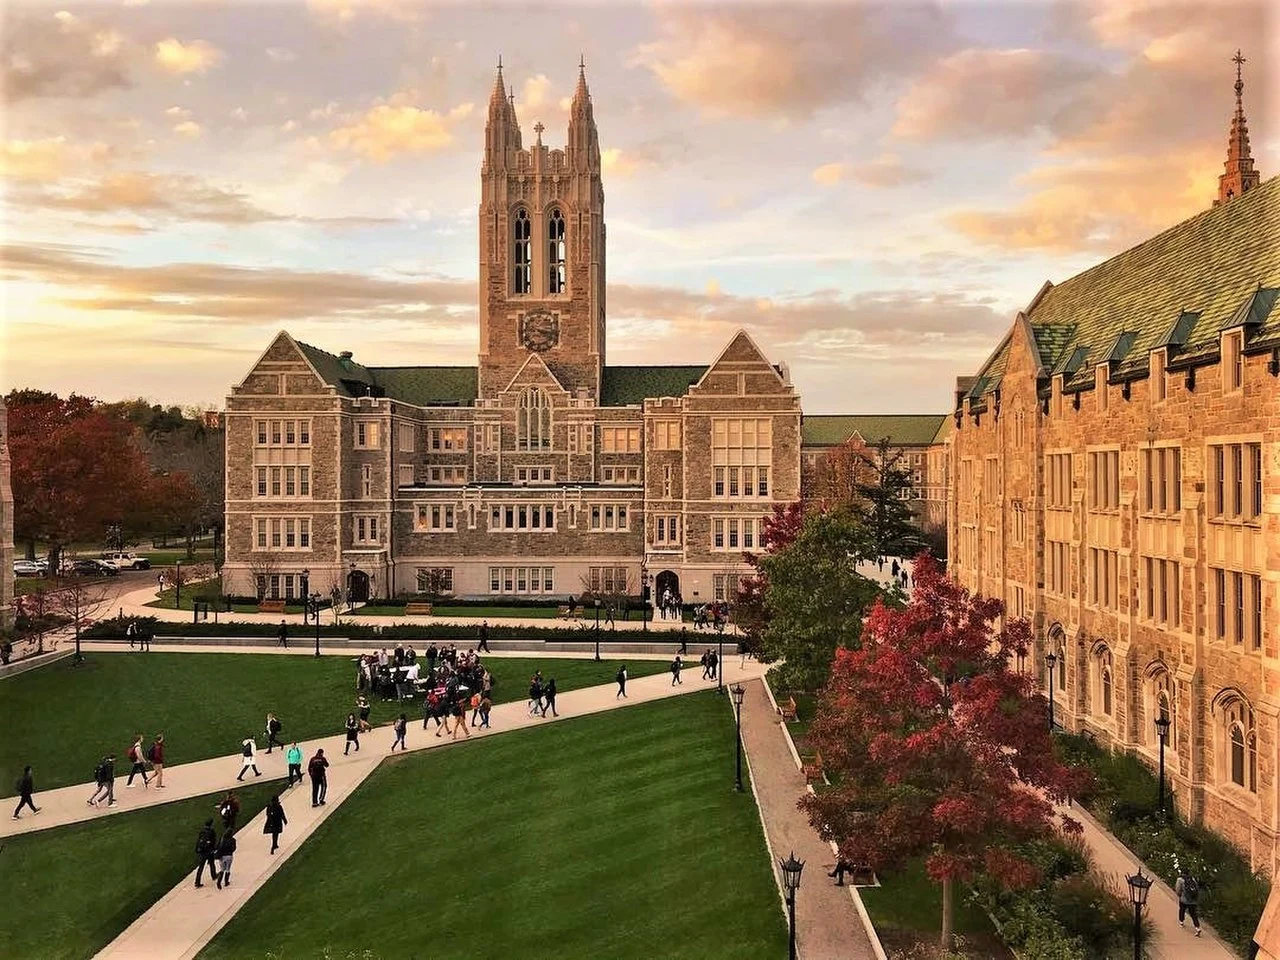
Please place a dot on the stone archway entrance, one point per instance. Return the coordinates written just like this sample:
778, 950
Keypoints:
667, 580
358, 587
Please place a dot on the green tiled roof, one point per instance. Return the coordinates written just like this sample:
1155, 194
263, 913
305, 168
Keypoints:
1176, 289
829, 431
428, 386
621, 386
334, 370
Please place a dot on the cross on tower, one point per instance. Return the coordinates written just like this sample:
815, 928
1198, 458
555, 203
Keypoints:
538, 128
1239, 61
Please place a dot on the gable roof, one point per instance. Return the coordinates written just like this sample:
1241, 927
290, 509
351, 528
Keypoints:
622, 386
1177, 289
910, 429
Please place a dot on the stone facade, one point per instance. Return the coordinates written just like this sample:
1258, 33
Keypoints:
1116, 480
6, 523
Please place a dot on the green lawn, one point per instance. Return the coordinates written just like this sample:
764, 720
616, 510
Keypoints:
494, 612
907, 908
610, 836
69, 891
63, 717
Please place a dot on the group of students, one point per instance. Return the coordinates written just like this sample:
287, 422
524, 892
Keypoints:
141, 760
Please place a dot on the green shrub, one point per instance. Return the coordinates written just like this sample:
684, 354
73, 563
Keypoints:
1090, 912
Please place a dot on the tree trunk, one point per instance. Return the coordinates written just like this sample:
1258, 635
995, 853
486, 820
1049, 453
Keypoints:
948, 915
191, 543
31, 549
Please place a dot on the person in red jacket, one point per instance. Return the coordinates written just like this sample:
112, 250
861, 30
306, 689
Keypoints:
155, 753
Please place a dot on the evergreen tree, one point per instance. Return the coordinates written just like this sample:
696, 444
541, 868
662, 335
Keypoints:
885, 493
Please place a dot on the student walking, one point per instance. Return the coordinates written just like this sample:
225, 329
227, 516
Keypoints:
206, 851
676, 665
705, 660
535, 694
485, 706
104, 775
400, 727
294, 759
226, 853
138, 762
248, 758
282, 635
549, 698
132, 633
229, 811
622, 682
1188, 891
484, 637
26, 787
713, 659
353, 735
317, 770
275, 822
155, 753
460, 717
274, 726
362, 706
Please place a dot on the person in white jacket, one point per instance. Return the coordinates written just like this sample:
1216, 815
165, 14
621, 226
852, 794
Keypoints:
249, 758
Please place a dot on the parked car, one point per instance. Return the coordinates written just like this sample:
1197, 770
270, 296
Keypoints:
126, 561
29, 568
93, 568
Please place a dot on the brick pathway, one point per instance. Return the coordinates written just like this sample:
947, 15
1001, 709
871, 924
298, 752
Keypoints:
827, 923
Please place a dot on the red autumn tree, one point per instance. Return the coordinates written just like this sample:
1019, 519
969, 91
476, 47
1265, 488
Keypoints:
777, 532
178, 504
76, 470
935, 744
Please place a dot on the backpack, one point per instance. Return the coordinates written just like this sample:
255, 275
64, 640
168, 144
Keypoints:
1190, 889
248, 750
135, 754
151, 753
100, 773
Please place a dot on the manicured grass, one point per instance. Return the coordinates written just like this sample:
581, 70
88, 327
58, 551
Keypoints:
69, 891
907, 906
615, 835
447, 610
63, 717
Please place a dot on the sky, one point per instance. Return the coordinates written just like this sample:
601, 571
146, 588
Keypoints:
872, 189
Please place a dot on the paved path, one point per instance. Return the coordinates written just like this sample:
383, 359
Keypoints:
1114, 859
827, 923
185, 919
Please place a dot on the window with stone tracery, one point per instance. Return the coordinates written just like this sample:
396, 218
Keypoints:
556, 280
521, 252
533, 420
1237, 733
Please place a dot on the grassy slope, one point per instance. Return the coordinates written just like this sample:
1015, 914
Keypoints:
62, 718
614, 836
69, 891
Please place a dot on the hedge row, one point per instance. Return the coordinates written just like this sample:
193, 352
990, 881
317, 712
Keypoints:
114, 629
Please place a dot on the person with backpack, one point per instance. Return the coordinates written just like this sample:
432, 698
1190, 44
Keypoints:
26, 787
138, 762
294, 759
485, 706
226, 853
1188, 891
317, 771
132, 633
155, 754
676, 666
274, 727
275, 822
353, 735
104, 775
622, 682
248, 758
400, 727
206, 848
549, 698
229, 811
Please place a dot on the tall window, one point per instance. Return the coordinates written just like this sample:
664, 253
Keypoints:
1241, 760
533, 421
1104, 480
555, 252
1235, 482
521, 252
741, 454
1232, 361
1058, 479
1162, 480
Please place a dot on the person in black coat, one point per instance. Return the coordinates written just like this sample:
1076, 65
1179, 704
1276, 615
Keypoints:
206, 850
549, 698
226, 853
26, 787
275, 822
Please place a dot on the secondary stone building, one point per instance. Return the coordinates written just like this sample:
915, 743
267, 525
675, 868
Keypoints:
542, 470
1116, 479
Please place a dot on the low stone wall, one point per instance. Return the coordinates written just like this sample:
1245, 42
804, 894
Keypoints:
35, 661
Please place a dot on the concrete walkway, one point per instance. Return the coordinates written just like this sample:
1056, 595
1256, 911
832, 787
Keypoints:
185, 919
827, 922
1113, 859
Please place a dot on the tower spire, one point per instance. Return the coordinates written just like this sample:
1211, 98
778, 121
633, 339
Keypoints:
583, 151
1238, 173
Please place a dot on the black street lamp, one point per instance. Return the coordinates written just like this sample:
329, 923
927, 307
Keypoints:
1162, 728
315, 610
1139, 887
791, 868
738, 695
177, 585
1052, 661
644, 597
596, 601
720, 663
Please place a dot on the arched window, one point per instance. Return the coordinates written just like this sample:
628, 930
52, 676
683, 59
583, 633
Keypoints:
1106, 691
1240, 742
555, 252
1103, 675
1237, 755
521, 252
533, 421
1161, 701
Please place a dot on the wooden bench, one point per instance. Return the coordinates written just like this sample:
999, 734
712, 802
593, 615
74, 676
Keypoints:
271, 606
417, 609
788, 709
813, 769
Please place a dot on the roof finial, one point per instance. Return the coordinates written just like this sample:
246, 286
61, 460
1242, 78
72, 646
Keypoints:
1238, 173
1239, 61
582, 63
499, 63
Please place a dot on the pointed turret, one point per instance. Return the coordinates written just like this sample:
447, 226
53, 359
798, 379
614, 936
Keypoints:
1238, 173
499, 137
583, 151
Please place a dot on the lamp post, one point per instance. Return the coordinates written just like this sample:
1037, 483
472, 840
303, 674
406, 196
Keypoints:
644, 597
304, 589
738, 694
1162, 728
177, 585
720, 663
1052, 661
791, 868
315, 609
1139, 886
596, 601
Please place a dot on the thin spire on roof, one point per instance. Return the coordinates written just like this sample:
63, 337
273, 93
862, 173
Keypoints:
1238, 173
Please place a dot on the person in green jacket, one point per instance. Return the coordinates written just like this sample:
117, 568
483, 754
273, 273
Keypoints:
294, 759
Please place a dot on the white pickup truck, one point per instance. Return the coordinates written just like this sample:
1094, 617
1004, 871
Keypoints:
126, 561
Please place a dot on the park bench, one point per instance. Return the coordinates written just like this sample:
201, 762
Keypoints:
417, 609
271, 606
788, 709
563, 610
813, 768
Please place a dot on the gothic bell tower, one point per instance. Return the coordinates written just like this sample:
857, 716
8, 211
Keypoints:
542, 242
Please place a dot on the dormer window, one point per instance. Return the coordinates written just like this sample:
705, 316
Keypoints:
1100, 388
1156, 377
1233, 361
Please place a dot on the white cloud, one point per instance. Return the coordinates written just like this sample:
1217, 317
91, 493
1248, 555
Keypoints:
387, 130
281, 55
188, 128
198, 56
